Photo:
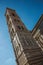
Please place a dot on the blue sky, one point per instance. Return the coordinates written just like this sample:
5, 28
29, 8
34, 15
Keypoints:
29, 11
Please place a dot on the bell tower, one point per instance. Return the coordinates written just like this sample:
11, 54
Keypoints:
26, 50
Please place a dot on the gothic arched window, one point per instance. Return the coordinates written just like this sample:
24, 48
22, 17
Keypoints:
13, 14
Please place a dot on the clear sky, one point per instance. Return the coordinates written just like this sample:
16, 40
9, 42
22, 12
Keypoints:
29, 11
